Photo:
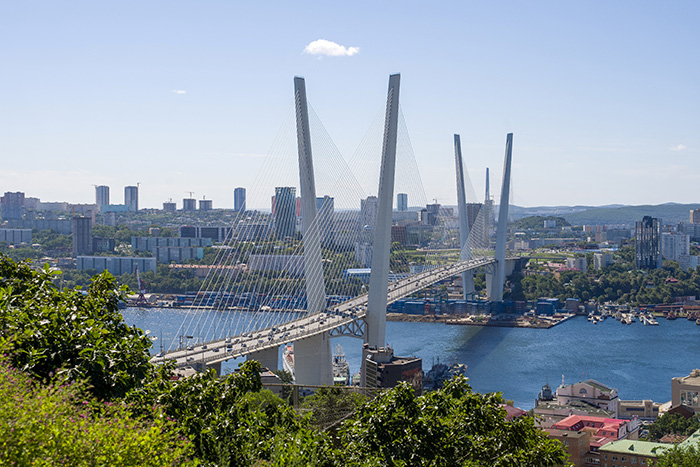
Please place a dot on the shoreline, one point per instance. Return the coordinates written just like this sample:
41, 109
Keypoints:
483, 320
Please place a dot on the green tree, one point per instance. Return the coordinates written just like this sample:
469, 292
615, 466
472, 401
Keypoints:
678, 456
332, 404
61, 424
451, 426
50, 331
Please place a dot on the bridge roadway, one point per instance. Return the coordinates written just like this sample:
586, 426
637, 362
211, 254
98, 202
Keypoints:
343, 314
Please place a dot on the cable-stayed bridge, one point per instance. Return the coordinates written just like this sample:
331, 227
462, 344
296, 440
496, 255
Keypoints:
283, 281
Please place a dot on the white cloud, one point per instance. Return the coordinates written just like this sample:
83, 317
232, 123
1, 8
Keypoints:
324, 47
179, 91
680, 147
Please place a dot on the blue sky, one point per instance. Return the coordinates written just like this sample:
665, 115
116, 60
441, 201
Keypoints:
602, 97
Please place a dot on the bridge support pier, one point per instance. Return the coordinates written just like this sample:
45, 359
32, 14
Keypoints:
310, 357
268, 358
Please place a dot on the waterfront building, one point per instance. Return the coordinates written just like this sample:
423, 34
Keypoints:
206, 205
285, 211
131, 198
101, 196
686, 391
12, 205
81, 229
591, 392
189, 204
602, 259
239, 199
647, 245
675, 244
116, 265
402, 202
644, 410
381, 369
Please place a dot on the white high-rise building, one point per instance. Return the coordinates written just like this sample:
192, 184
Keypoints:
673, 245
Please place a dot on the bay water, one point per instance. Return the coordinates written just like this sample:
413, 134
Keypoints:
639, 361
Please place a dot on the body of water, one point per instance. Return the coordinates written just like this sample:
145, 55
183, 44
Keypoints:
639, 361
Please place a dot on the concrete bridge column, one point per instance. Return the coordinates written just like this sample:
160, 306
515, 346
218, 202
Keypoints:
315, 349
268, 358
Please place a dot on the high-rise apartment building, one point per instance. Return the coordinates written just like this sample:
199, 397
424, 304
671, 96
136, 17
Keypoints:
239, 199
131, 198
169, 206
189, 204
81, 230
12, 205
647, 244
285, 211
325, 209
402, 202
674, 245
101, 196
695, 216
206, 205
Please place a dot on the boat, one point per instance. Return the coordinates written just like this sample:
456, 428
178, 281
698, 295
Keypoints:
439, 373
697, 321
288, 359
341, 367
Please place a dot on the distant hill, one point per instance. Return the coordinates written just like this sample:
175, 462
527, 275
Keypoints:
670, 213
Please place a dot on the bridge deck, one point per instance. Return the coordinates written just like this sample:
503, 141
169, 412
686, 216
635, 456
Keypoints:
342, 314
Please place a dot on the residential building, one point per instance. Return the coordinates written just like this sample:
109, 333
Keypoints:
239, 199
291, 264
206, 205
577, 445
169, 206
177, 254
688, 262
693, 230
16, 236
216, 234
101, 196
189, 204
285, 211
131, 198
151, 243
602, 259
402, 202
116, 265
325, 212
675, 244
695, 216
647, 247
81, 229
579, 263
12, 205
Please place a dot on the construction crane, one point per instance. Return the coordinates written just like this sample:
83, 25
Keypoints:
191, 193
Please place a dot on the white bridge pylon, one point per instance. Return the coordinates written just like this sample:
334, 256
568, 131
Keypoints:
363, 316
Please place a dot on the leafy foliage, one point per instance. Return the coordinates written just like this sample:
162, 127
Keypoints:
451, 426
331, 404
80, 335
672, 424
678, 456
62, 424
232, 421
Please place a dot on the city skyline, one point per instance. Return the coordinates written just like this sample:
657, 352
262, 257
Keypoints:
176, 98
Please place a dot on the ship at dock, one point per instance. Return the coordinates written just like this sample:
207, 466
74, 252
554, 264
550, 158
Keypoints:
440, 373
341, 367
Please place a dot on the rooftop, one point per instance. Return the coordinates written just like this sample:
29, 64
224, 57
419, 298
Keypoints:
641, 448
